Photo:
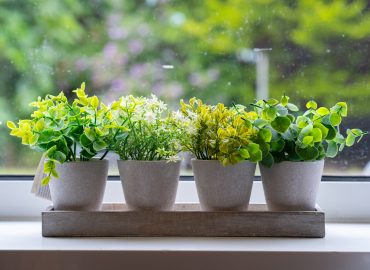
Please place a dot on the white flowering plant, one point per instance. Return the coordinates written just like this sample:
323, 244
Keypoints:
153, 131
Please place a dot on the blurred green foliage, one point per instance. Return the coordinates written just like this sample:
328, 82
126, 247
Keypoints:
181, 49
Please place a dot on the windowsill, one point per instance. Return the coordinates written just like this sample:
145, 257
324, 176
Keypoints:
340, 237
346, 246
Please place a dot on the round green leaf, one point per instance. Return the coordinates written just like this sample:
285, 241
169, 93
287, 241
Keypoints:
292, 107
332, 132
269, 113
332, 149
311, 105
281, 123
277, 146
335, 119
307, 140
323, 111
265, 134
308, 153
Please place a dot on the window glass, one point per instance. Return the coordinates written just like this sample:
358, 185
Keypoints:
229, 51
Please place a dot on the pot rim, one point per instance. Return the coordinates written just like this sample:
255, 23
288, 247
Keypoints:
216, 160
149, 161
297, 162
93, 160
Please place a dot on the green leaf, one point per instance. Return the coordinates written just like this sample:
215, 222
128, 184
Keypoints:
49, 165
340, 108
302, 121
265, 148
11, 125
269, 113
244, 153
291, 117
357, 132
284, 100
350, 140
51, 150
254, 152
272, 101
324, 130
281, 110
323, 111
277, 146
292, 107
45, 180
307, 140
306, 131
281, 123
99, 145
332, 132
55, 174
85, 141
308, 153
332, 149
57, 156
260, 123
265, 134
268, 160
90, 134
317, 135
311, 105
335, 119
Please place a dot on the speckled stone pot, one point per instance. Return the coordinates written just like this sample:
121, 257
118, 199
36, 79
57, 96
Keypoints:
223, 188
80, 185
292, 186
149, 185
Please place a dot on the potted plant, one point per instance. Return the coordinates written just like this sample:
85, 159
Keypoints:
70, 136
292, 169
149, 166
226, 147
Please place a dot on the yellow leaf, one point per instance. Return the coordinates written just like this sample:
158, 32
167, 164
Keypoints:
11, 125
94, 102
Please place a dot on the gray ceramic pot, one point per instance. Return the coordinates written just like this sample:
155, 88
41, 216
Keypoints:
80, 185
223, 188
149, 185
292, 186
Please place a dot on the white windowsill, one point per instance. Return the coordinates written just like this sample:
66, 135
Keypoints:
346, 246
340, 237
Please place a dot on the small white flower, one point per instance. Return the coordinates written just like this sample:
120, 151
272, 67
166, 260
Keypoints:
174, 158
149, 117
178, 116
192, 130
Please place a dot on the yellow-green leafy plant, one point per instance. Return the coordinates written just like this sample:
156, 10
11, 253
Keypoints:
154, 132
66, 131
221, 133
303, 136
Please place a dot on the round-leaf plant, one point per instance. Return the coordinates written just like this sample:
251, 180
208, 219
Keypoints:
153, 131
65, 131
220, 133
311, 135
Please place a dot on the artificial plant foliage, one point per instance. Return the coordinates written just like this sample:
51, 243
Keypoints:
65, 131
303, 136
153, 131
221, 133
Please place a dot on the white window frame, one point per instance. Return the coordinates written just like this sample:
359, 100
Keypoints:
343, 199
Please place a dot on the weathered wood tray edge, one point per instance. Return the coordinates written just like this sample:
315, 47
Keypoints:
186, 221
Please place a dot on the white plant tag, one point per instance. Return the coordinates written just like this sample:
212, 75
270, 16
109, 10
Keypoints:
37, 188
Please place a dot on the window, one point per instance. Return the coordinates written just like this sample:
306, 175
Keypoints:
180, 49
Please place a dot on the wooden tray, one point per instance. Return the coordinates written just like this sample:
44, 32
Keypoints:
185, 220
